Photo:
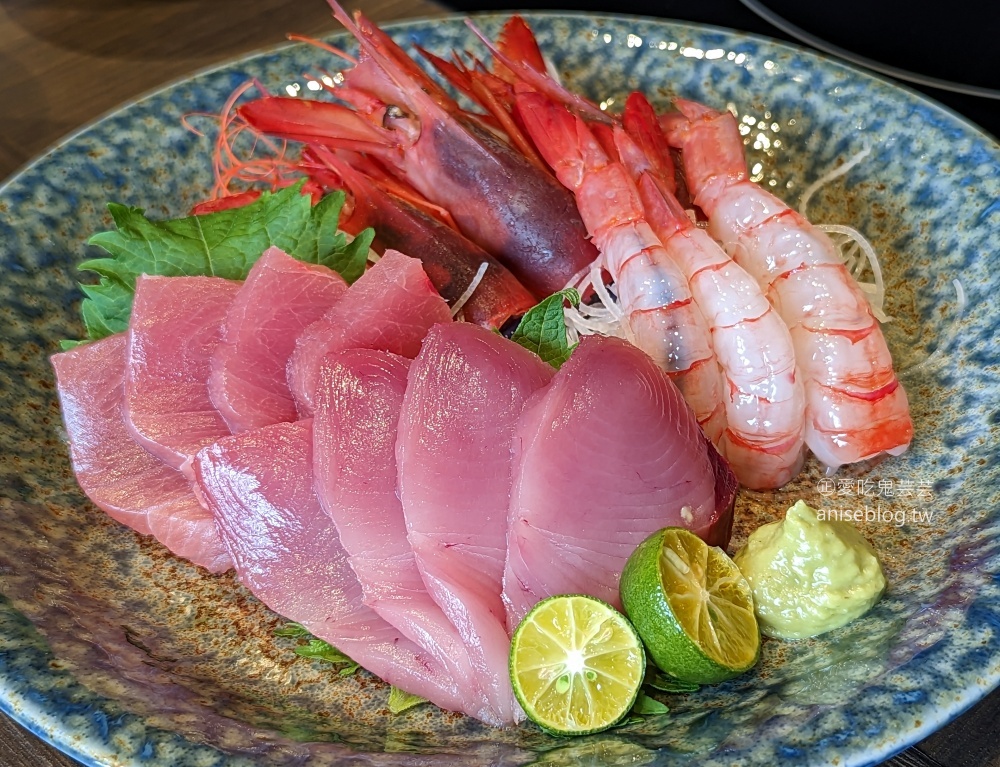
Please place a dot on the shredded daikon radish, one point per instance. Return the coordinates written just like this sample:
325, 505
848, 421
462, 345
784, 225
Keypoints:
859, 255
579, 279
601, 289
854, 249
587, 322
953, 330
467, 293
826, 178
602, 318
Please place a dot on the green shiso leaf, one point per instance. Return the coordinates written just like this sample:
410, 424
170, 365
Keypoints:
320, 650
293, 631
543, 328
647, 706
225, 244
317, 648
400, 700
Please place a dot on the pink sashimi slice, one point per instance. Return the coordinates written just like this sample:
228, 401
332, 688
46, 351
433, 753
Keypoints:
390, 307
358, 401
606, 455
464, 393
259, 485
175, 326
280, 298
133, 486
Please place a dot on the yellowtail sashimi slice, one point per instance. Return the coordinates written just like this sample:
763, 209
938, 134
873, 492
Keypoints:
390, 307
358, 400
280, 298
132, 485
175, 326
286, 550
607, 455
464, 394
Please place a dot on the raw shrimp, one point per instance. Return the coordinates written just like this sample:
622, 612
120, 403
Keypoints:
855, 406
659, 314
472, 281
765, 404
499, 199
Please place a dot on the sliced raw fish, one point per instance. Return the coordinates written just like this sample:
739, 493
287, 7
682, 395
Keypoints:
465, 391
606, 455
133, 486
358, 401
390, 307
176, 324
286, 550
280, 298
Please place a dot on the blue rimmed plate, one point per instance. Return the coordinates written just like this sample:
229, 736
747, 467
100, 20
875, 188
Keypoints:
119, 653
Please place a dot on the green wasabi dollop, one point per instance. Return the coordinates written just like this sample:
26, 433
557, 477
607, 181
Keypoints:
809, 575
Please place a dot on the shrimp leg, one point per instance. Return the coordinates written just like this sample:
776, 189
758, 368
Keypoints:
855, 406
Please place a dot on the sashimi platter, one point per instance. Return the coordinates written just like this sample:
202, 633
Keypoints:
527, 389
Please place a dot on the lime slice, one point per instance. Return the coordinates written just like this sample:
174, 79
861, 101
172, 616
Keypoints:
691, 606
576, 665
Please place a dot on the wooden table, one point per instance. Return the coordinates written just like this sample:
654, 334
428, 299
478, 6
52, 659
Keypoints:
64, 63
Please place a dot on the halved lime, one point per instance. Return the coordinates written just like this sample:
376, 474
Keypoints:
691, 606
576, 665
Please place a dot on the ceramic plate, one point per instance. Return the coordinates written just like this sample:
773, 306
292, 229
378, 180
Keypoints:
121, 654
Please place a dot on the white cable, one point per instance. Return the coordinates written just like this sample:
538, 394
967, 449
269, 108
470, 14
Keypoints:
834, 50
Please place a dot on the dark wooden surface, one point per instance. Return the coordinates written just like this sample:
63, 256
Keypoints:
65, 62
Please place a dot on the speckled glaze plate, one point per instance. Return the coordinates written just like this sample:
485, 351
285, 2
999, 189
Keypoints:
121, 654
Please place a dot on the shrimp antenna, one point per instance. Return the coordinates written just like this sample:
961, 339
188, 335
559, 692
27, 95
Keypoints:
541, 81
323, 46
392, 59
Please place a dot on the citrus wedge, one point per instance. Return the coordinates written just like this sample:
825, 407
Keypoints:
576, 665
691, 606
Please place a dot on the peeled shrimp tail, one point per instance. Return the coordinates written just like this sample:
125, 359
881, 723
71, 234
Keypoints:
857, 408
660, 315
639, 121
765, 403
855, 405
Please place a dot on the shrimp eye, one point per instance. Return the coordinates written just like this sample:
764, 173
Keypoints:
392, 112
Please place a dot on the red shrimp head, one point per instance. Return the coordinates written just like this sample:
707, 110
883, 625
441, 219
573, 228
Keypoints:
321, 122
